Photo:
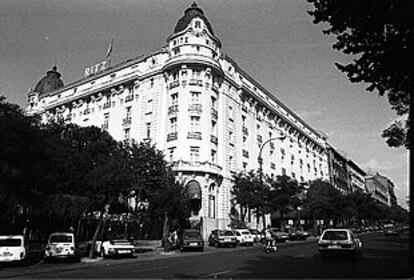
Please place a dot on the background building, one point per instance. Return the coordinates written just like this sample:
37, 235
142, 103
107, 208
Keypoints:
378, 186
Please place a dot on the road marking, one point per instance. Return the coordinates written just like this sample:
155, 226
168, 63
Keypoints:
150, 268
215, 274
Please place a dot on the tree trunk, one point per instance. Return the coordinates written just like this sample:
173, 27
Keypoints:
99, 226
165, 230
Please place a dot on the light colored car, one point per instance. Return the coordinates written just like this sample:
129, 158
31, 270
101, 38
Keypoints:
244, 237
112, 248
222, 238
390, 229
339, 241
13, 248
60, 245
256, 234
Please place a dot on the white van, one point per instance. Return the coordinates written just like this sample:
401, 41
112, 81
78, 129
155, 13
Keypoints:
60, 245
13, 248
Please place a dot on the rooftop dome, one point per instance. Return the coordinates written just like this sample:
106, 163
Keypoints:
50, 82
189, 14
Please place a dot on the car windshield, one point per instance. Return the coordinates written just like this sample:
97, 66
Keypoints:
60, 239
227, 233
10, 242
192, 234
254, 231
335, 235
245, 232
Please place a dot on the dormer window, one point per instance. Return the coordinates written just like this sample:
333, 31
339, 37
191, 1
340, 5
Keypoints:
197, 24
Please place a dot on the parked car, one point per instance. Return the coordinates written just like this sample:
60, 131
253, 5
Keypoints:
390, 229
244, 237
279, 235
339, 241
256, 235
222, 238
191, 239
297, 234
114, 248
13, 248
60, 245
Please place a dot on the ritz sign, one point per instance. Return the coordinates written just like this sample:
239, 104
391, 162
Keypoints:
94, 69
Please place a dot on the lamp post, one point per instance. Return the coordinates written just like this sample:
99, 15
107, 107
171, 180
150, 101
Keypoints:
260, 161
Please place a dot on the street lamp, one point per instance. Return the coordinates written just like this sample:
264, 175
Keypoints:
260, 160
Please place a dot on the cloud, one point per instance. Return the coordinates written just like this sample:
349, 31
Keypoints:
374, 165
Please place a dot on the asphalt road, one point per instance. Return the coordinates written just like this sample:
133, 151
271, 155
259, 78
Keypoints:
383, 257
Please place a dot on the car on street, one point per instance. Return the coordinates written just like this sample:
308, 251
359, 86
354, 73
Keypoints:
244, 237
222, 238
60, 245
13, 248
297, 234
279, 235
256, 235
117, 248
390, 229
191, 239
339, 241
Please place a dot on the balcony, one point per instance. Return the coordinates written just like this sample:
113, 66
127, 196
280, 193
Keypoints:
214, 113
259, 139
214, 139
129, 98
245, 131
126, 122
172, 136
173, 109
196, 166
195, 108
87, 111
272, 145
194, 135
174, 84
245, 153
195, 82
107, 105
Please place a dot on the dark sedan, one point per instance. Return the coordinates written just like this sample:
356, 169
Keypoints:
191, 239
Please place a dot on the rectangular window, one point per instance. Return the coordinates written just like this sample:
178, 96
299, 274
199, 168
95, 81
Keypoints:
196, 73
128, 112
195, 123
171, 152
211, 206
194, 154
244, 120
195, 97
231, 113
283, 171
213, 156
127, 132
148, 130
174, 99
213, 102
173, 125
213, 127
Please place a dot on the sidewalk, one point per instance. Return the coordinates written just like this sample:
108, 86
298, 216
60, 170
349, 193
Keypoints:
156, 253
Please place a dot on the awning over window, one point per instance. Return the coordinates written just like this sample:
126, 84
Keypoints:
194, 190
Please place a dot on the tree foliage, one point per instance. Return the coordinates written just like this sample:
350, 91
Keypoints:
380, 36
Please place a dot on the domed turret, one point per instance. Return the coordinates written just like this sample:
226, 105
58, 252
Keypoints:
189, 14
50, 82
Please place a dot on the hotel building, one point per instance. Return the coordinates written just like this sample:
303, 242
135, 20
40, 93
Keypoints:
208, 116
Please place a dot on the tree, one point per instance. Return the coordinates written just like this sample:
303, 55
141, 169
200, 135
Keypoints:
23, 165
380, 34
283, 195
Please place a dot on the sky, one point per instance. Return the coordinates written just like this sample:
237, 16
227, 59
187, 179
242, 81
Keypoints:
274, 41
